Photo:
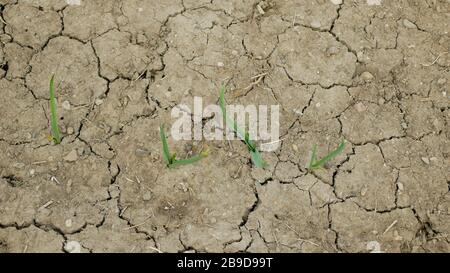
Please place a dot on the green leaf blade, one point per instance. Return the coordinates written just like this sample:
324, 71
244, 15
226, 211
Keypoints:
313, 157
166, 153
244, 136
328, 157
54, 117
187, 161
229, 122
222, 101
257, 159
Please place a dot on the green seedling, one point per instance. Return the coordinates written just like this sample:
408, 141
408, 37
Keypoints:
316, 164
171, 159
244, 136
53, 115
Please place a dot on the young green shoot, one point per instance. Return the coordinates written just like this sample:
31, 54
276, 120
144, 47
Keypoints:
244, 136
316, 164
53, 115
171, 159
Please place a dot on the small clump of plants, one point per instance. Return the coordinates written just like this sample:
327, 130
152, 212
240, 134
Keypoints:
255, 155
171, 160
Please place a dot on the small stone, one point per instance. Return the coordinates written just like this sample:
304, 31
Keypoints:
373, 247
260, 9
70, 130
5, 38
400, 186
98, 102
220, 64
234, 52
436, 123
68, 223
140, 152
69, 186
19, 165
363, 191
316, 24
360, 107
404, 125
360, 56
114, 191
332, 51
66, 105
381, 101
72, 247
374, 2
442, 81
74, 2
184, 188
336, 2
426, 160
409, 24
367, 76
147, 196
72, 156
32, 172
122, 20
294, 147
141, 39
397, 237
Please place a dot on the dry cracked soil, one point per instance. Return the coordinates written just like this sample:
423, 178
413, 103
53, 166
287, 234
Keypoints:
375, 73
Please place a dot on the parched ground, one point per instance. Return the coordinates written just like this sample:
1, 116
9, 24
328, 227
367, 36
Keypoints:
375, 72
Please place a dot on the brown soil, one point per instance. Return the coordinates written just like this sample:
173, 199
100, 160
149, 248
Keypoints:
376, 75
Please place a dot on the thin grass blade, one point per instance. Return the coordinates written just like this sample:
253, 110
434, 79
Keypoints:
313, 156
166, 152
330, 156
257, 159
54, 117
230, 123
187, 161
244, 136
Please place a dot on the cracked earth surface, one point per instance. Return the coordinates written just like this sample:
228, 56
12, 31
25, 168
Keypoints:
376, 75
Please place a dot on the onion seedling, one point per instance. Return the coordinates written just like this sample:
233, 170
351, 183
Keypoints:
244, 136
53, 115
171, 159
316, 164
